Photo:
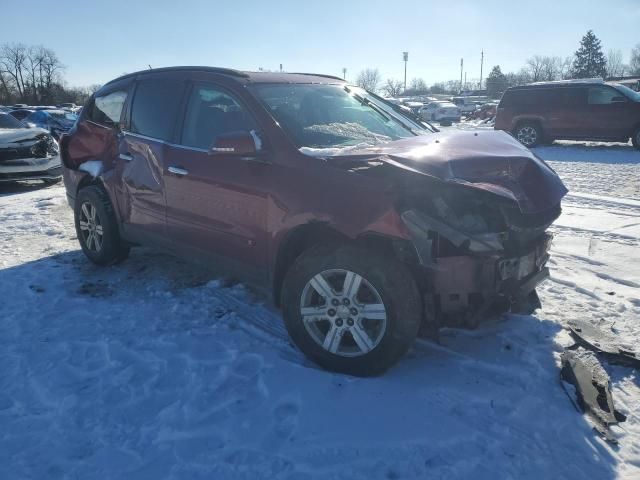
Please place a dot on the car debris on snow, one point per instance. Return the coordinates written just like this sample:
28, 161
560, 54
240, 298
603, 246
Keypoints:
593, 338
591, 392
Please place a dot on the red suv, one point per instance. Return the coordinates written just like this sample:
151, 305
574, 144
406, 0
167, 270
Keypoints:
363, 222
570, 110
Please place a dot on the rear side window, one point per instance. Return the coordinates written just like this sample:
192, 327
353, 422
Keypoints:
574, 97
603, 95
155, 107
106, 109
535, 97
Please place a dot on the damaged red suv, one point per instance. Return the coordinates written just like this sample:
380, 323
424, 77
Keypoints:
365, 224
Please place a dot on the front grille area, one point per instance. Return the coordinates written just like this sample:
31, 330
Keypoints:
40, 147
15, 153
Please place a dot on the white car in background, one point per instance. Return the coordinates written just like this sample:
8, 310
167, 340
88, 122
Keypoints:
440, 111
466, 105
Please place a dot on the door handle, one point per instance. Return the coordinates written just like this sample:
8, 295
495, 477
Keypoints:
181, 172
125, 156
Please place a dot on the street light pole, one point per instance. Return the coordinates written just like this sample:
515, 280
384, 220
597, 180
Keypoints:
405, 57
344, 73
481, 64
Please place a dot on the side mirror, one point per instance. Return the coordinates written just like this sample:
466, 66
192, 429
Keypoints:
235, 143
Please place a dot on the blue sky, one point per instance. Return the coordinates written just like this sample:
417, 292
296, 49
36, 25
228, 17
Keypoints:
100, 40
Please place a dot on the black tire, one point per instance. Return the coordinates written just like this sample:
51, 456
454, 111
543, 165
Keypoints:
111, 249
529, 134
636, 138
395, 286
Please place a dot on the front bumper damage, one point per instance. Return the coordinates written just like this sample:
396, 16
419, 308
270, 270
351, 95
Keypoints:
467, 285
47, 168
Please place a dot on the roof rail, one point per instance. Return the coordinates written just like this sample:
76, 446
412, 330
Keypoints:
575, 80
223, 71
317, 75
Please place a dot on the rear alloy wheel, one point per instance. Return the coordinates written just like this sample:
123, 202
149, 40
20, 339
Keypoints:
528, 134
351, 310
91, 227
97, 227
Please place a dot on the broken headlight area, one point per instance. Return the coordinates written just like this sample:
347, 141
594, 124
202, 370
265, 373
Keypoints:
478, 252
463, 221
46, 146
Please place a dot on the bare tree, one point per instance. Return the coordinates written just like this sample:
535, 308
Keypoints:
519, 78
13, 61
418, 86
565, 68
369, 79
7, 92
634, 63
615, 66
29, 71
551, 68
392, 88
535, 68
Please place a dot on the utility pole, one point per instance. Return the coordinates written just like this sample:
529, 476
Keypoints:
281, 67
481, 64
405, 57
344, 73
465, 80
461, 68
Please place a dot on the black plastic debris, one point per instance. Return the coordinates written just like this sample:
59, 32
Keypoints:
600, 341
587, 385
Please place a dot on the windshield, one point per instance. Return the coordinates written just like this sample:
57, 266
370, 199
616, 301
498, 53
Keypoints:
632, 94
64, 117
333, 119
7, 121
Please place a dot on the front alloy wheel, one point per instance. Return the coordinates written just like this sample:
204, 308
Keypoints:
343, 313
350, 309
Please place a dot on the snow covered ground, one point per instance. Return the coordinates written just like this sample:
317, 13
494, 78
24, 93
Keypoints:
154, 369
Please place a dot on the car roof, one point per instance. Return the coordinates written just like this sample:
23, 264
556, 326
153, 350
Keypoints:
560, 84
242, 76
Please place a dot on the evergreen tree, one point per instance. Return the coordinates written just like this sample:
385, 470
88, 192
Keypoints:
496, 82
589, 61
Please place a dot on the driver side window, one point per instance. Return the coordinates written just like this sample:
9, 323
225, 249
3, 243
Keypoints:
212, 112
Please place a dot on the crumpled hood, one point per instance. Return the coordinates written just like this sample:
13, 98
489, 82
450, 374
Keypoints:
488, 160
12, 137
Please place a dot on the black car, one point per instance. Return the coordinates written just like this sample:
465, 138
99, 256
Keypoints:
27, 153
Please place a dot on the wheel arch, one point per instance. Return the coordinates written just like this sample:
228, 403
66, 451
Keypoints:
88, 180
303, 237
522, 120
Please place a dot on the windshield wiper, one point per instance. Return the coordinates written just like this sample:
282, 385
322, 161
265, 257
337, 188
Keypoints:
382, 112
